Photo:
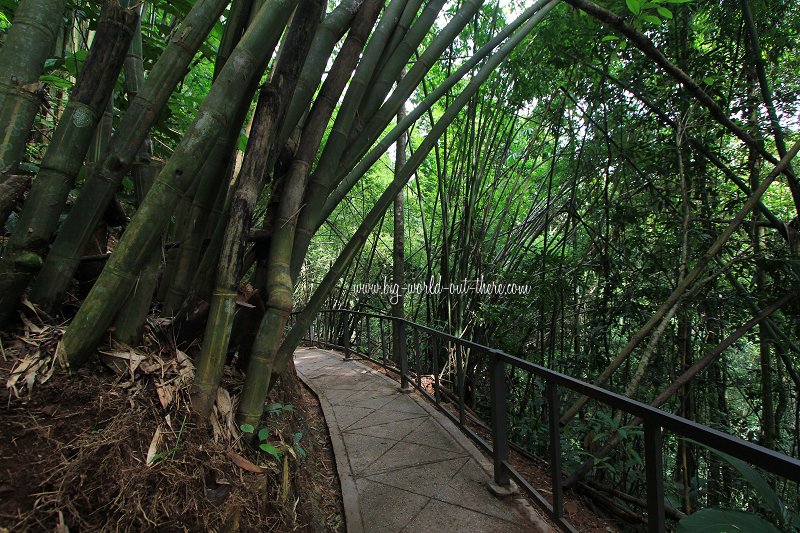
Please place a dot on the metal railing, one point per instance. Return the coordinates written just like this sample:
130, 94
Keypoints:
356, 333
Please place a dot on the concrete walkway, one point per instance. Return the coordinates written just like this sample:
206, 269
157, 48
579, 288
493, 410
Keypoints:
404, 467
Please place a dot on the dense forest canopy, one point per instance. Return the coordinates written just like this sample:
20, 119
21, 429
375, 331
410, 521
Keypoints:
214, 168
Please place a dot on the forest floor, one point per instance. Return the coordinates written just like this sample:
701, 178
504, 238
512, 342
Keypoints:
112, 447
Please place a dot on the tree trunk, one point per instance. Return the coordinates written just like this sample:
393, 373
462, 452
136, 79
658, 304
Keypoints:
398, 247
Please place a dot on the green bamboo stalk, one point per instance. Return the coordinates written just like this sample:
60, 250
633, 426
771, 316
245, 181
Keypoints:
129, 323
317, 195
240, 14
328, 34
272, 104
278, 278
101, 186
345, 118
306, 316
192, 220
212, 182
399, 33
319, 208
65, 154
26, 46
397, 53
217, 111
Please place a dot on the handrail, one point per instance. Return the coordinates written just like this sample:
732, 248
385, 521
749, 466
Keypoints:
654, 420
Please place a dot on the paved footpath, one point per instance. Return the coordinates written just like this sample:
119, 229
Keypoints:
403, 466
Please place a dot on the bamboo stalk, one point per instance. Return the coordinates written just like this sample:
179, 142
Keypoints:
271, 109
217, 110
193, 219
26, 46
328, 34
65, 154
100, 187
279, 281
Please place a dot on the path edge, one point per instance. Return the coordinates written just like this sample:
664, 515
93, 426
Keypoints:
352, 509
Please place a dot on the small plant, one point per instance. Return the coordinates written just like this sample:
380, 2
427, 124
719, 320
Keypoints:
263, 437
276, 450
281, 450
172, 451
717, 519
279, 408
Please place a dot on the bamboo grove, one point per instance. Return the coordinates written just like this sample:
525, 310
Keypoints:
631, 162
660, 253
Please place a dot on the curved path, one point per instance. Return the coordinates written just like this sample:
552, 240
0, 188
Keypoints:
403, 466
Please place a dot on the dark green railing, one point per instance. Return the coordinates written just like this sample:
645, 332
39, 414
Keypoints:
355, 333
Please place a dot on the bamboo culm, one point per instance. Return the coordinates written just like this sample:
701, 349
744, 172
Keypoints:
65, 154
103, 183
217, 110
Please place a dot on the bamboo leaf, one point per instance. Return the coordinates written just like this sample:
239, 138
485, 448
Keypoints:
664, 12
634, 6
270, 449
652, 19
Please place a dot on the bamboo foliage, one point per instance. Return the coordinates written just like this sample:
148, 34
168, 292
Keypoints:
391, 107
306, 316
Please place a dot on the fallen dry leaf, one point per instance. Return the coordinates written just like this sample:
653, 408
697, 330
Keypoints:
165, 394
153, 449
244, 464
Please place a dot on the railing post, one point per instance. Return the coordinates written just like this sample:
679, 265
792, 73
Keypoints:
368, 349
499, 423
654, 469
460, 383
402, 350
417, 357
346, 329
554, 415
437, 396
384, 357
